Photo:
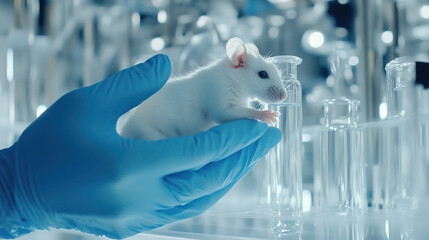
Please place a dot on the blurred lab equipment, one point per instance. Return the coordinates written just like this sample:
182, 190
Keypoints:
422, 79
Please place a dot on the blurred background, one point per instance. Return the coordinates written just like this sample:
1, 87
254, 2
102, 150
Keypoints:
48, 48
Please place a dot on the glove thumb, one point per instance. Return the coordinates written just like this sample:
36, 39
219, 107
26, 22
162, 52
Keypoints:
129, 87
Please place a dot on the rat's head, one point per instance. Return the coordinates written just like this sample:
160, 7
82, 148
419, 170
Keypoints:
255, 75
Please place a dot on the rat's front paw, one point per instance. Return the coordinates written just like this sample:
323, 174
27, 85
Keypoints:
269, 116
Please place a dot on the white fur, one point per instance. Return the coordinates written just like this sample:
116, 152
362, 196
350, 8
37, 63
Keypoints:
213, 94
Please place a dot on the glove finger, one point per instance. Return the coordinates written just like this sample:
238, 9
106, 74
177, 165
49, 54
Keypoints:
195, 207
129, 87
184, 153
189, 185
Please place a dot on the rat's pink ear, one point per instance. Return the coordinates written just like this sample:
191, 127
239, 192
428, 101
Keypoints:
252, 48
236, 51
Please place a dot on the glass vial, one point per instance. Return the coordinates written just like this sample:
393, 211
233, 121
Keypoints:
403, 162
340, 169
285, 167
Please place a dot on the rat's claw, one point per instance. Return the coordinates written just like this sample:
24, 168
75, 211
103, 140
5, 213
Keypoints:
270, 117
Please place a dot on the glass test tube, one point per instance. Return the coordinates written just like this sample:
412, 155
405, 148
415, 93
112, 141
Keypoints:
403, 168
341, 167
285, 170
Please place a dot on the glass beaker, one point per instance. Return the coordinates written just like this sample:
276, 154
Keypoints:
285, 166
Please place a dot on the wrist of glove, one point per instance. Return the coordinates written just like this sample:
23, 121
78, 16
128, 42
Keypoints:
12, 225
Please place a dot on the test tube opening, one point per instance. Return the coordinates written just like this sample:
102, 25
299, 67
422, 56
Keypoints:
401, 73
288, 66
340, 112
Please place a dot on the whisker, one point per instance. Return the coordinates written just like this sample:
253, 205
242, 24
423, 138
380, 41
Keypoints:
272, 96
269, 54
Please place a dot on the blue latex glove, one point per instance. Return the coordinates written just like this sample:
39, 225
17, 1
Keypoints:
70, 169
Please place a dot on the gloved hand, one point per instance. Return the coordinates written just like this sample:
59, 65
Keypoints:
70, 168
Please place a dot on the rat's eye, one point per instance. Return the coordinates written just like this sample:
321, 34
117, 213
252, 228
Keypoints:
263, 74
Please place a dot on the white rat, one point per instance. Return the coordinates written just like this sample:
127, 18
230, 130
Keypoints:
214, 94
